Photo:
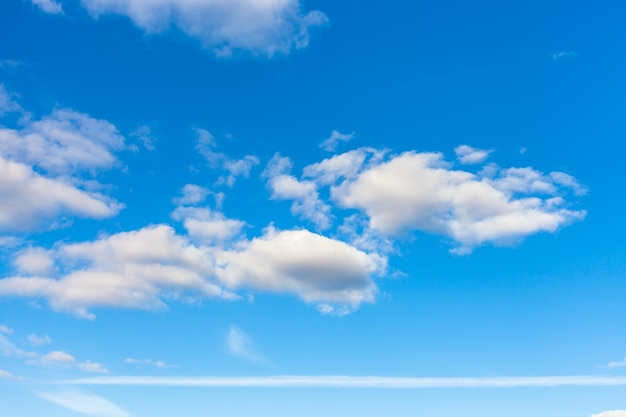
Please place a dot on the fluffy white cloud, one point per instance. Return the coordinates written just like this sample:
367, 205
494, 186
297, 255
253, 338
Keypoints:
192, 194
57, 357
48, 6
36, 261
28, 200
63, 142
313, 267
330, 144
86, 404
306, 201
143, 269
133, 269
612, 413
468, 155
206, 226
418, 191
259, 26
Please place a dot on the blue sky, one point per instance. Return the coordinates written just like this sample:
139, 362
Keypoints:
279, 207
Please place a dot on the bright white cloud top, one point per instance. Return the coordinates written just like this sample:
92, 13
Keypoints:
259, 26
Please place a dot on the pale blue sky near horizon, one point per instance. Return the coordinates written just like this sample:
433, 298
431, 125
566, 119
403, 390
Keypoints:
224, 189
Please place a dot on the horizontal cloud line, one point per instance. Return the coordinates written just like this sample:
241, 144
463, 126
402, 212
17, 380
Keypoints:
291, 381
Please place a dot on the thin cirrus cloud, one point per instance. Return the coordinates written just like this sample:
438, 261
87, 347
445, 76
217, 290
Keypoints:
239, 344
84, 403
155, 363
616, 364
332, 381
263, 27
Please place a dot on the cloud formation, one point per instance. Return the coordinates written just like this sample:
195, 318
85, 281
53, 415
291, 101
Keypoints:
332, 381
143, 269
419, 191
468, 155
84, 403
330, 144
262, 27
48, 6
612, 413
239, 344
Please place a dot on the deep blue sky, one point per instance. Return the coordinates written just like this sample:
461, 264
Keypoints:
269, 188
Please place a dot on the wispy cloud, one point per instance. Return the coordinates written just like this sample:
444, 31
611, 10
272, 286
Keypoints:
239, 344
616, 364
611, 413
563, 54
6, 374
49, 6
330, 144
85, 403
36, 340
156, 364
308, 381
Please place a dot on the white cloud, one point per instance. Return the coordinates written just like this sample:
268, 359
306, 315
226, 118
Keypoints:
332, 381
468, 155
616, 364
216, 160
258, 26
612, 413
94, 367
6, 374
156, 364
240, 344
63, 142
206, 226
330, 143
7, 104
5, 329
132, 269
306, 201
36, 340
28, 200
35, 261
418, 191
342, 166
57, 357
48, 6
87, 404
313, 267
192, 194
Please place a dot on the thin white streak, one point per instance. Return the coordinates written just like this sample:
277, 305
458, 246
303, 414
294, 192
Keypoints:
289, 381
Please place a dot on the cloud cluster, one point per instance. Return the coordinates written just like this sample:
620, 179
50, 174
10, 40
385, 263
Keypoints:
43, 166
53, 358
144, 268
259, 26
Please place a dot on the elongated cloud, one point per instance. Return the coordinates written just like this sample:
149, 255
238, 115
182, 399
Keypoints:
144, 269
29, 200
314, 381
84, 403
239, 344
258, 26
612, 413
